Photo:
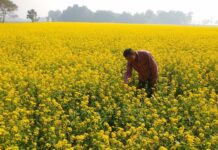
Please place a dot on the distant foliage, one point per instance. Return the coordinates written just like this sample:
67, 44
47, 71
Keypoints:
54, 15
6, 8
32, 15
83, 14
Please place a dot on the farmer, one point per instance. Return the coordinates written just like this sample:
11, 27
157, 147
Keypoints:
143, 62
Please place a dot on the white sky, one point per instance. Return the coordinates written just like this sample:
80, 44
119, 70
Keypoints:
202, 9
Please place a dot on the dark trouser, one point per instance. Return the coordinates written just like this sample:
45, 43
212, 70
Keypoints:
148, 87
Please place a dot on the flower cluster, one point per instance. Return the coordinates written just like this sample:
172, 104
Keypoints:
61, 87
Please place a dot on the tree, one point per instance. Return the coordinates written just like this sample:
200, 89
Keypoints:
54, 15
150, 16
77, 13
139, 18
32, 15
6, 7
104, 16
125, 17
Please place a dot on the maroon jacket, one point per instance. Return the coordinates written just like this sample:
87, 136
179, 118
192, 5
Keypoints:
145, 65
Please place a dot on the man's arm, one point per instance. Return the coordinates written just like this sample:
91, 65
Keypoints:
128, 73
153, 68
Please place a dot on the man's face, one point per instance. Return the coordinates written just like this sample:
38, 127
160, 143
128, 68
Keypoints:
131, 58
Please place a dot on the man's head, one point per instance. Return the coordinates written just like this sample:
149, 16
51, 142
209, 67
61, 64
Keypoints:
129, 54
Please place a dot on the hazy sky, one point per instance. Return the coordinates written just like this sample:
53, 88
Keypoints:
202, 9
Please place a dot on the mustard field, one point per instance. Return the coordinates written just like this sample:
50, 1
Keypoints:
61, 87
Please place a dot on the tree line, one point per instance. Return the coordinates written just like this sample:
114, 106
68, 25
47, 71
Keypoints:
83, 14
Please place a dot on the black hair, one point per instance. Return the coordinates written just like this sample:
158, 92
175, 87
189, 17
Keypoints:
128, 52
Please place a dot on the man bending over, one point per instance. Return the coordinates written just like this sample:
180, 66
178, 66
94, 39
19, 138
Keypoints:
143, 62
